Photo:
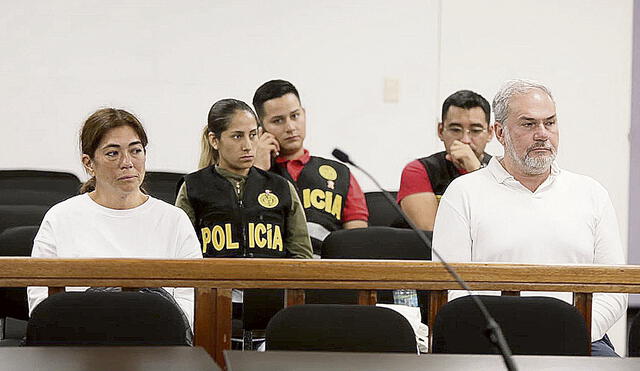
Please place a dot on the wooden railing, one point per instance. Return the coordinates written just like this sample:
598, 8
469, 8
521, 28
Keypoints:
213, 280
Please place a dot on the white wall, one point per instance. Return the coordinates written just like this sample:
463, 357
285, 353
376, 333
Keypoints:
168, 61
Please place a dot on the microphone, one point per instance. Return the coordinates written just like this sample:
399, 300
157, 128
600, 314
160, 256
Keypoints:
343, 157
493, 331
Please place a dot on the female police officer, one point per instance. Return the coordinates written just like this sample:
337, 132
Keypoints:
237, 209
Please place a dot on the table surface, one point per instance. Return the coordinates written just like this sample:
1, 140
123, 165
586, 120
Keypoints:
60, 358
317, 361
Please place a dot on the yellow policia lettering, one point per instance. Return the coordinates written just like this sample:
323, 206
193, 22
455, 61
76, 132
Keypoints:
306, 200
205, 233
230, 244
317, 199
220, 238
268, 236
259, 231
322, 200
260, 235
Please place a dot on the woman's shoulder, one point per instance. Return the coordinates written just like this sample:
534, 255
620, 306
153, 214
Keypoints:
160, 207
69, 209
76, 202
267, 175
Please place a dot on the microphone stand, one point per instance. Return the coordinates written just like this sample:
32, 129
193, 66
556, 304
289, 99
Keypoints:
493, 331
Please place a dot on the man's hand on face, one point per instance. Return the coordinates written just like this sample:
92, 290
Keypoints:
267, 148
463, 156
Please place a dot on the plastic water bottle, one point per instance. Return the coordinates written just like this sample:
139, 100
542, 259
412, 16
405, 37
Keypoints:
406, 297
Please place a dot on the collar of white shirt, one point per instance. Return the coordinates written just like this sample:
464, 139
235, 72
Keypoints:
502, 175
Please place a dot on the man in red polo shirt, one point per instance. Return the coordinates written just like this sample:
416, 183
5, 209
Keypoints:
465, 131
331, 196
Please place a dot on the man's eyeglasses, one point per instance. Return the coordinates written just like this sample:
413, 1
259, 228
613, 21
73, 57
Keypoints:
458, 132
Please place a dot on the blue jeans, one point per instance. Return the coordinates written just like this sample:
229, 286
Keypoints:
603, 348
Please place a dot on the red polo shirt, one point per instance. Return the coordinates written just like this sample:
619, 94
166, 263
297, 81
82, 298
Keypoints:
355, 206
416, 180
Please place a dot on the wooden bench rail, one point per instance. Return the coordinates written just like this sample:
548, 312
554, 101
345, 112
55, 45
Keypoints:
214, 279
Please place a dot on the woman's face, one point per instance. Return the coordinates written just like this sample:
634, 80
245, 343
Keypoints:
118, 163
237, 145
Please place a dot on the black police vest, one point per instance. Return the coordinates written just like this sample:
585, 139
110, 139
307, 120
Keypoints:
322, 187
442, 172
254, 226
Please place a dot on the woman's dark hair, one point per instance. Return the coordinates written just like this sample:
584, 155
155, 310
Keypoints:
97, 126
218, 121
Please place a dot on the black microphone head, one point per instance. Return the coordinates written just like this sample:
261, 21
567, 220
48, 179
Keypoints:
341, 156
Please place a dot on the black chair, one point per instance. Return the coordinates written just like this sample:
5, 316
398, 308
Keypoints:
376, 243
258, 307
381, 213
16, 241
372, 243
35, 187
341, 328
20, 215
531, 325
107, 318
634, 337
162, 185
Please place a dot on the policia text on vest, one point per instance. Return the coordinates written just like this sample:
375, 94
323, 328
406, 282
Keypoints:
322, 186
260, 235
248, 226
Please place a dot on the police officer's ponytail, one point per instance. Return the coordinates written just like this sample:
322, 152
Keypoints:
219, 119
208, 155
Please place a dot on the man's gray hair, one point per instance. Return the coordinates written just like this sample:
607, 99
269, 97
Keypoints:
508, 90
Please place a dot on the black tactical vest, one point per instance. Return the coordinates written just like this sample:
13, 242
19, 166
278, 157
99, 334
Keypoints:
442, 172
254, 226
322, 187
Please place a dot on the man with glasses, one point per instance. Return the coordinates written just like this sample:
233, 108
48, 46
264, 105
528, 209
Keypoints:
465, 131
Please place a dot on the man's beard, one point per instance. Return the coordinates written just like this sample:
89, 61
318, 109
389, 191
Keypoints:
530, 165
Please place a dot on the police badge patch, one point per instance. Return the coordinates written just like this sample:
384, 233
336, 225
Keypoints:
268, 199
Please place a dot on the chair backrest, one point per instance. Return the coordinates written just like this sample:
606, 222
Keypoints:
20, 215
531, 325
381, 213
36, 187
17, 241
370, 243
634, 337
341, 328
107, 318
376, 243
162, 185
259, 305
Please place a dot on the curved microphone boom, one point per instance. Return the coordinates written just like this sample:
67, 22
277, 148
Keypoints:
493, 331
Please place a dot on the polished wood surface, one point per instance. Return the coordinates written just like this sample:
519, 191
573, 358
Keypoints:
583, 301
325, 274
319, 361
293, 297
214, 279
105, 359
367, 297
436, 300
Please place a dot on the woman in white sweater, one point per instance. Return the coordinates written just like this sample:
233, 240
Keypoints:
113, 217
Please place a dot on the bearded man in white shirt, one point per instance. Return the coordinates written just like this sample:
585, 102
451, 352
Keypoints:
522, 208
